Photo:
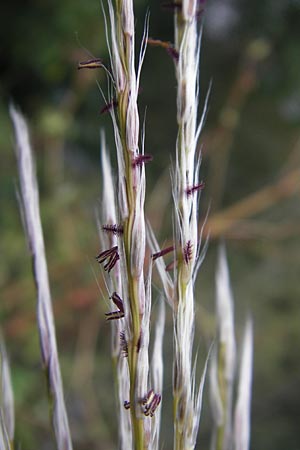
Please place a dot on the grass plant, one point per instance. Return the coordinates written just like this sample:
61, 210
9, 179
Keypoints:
129, 251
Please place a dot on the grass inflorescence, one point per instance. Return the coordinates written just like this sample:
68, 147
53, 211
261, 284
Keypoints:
129, 251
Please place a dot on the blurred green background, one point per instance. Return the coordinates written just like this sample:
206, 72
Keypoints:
251, 162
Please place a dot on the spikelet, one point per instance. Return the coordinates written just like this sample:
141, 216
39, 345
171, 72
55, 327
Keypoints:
185, 177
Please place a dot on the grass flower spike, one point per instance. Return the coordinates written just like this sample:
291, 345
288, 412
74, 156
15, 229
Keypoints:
129, 251
186, 188
136, 287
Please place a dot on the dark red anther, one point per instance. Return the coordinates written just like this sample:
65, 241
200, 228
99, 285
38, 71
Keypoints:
124, 344
173, 53
115, 229
91, 64
111, 262
188, 252
163, 252
141, 159
113, 315
150, 402
109, 106
171, 50
195, 188
139, 343
119, 303
111, 255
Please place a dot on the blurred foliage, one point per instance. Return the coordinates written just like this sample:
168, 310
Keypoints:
251, 140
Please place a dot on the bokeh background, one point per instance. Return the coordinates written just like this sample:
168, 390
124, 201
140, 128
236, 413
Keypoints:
251, 163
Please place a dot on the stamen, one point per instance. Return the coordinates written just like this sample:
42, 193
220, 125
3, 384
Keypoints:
188, 252
111, 262
114, 315
195, 188
109, 107
141, 159
116, 229
168, 46
163, 252
150, 402
124, 344
91, 64
173, 53
119, 303
139, 342
111, 255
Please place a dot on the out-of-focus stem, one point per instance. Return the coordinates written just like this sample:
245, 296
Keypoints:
33, 228
220, 432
